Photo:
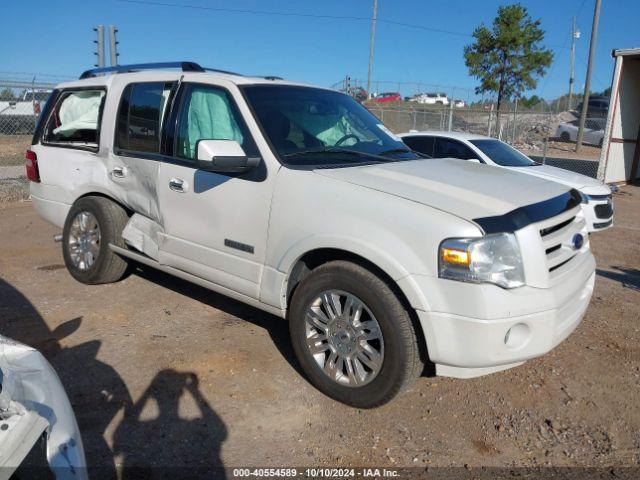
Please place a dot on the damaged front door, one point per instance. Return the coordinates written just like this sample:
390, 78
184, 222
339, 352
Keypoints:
215, 224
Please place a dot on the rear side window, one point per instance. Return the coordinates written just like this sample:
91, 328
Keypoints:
141, 115
420, 144
75, 119
449, 148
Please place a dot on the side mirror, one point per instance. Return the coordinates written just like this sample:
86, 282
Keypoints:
224, 156
474, 160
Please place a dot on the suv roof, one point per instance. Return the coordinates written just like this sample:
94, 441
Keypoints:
165, 71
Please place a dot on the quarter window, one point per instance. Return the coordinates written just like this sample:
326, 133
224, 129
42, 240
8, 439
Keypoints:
75, 120
140, 117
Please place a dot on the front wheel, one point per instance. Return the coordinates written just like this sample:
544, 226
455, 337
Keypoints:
352, 335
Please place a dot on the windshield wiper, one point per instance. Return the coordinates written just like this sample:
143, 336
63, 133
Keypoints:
403, 150
391, 151
334, 151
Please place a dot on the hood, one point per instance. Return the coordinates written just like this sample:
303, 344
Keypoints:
466, 189
560, 175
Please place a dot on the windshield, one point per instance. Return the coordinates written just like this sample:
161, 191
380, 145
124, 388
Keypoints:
312, 126
503, 154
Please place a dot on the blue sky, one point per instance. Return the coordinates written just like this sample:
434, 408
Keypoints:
56, 38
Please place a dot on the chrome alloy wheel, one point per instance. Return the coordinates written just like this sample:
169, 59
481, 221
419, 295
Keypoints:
344, 338
84, 240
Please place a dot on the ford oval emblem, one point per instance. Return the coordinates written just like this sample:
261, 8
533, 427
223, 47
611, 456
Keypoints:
577, 241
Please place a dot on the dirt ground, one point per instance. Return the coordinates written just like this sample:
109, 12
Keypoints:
164, 373
12, 148
560, 149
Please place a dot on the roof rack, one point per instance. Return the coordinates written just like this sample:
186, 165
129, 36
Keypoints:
184, 66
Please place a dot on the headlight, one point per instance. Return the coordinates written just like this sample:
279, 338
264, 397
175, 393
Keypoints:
489, 259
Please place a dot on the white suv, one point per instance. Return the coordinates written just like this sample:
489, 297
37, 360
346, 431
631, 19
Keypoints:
297, 201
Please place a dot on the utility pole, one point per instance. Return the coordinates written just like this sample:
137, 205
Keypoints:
99, 53
575, 34
113, 45
371, 42
587, 85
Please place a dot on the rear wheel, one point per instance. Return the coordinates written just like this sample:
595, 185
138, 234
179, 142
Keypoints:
92, 224
565, 137
352, 335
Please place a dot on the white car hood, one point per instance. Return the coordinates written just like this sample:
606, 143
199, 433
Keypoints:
466, 189
566, 177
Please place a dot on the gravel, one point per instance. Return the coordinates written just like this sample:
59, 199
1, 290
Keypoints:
161, 372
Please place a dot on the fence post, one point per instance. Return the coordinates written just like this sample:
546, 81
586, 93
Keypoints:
515, 111
490, 119
450, 114
546, 139
415, 117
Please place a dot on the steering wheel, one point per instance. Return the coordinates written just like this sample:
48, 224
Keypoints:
345, 138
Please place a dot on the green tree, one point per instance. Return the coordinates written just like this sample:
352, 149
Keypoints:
508, 57
530, 102
7, 94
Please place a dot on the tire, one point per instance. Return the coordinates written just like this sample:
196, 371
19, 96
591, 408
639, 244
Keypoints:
401, 361
565, 137
110, 218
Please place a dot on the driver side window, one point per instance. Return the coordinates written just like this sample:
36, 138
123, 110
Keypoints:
208, 113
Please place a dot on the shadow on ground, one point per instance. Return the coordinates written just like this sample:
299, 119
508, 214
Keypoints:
276, 327
164, 446
628, 277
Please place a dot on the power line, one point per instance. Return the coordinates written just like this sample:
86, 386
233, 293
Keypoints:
4, 72
293, 14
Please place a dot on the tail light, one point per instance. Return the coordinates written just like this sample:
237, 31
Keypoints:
33, 173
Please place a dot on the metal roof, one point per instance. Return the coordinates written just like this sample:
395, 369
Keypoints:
625, 52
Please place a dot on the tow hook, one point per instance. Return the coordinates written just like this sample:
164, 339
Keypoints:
57, 238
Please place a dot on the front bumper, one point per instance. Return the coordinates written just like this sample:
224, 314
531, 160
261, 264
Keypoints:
479, 329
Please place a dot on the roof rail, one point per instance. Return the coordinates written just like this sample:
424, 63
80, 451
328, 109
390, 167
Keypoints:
184, 66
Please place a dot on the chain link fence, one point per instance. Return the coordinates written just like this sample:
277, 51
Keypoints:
22, 97
534, 133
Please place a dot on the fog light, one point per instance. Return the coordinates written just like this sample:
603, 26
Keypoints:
517, 336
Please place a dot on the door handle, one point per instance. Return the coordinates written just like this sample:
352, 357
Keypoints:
178, 185
119, 172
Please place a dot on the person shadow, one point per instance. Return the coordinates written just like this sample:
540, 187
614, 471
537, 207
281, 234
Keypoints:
166, 446
165, 434
95, 389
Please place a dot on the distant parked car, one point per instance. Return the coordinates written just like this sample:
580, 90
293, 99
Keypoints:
598, 107
359, 93
388, 97
593, 131
596, 196
431, 98
459, 103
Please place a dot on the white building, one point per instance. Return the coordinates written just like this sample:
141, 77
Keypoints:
621, 144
